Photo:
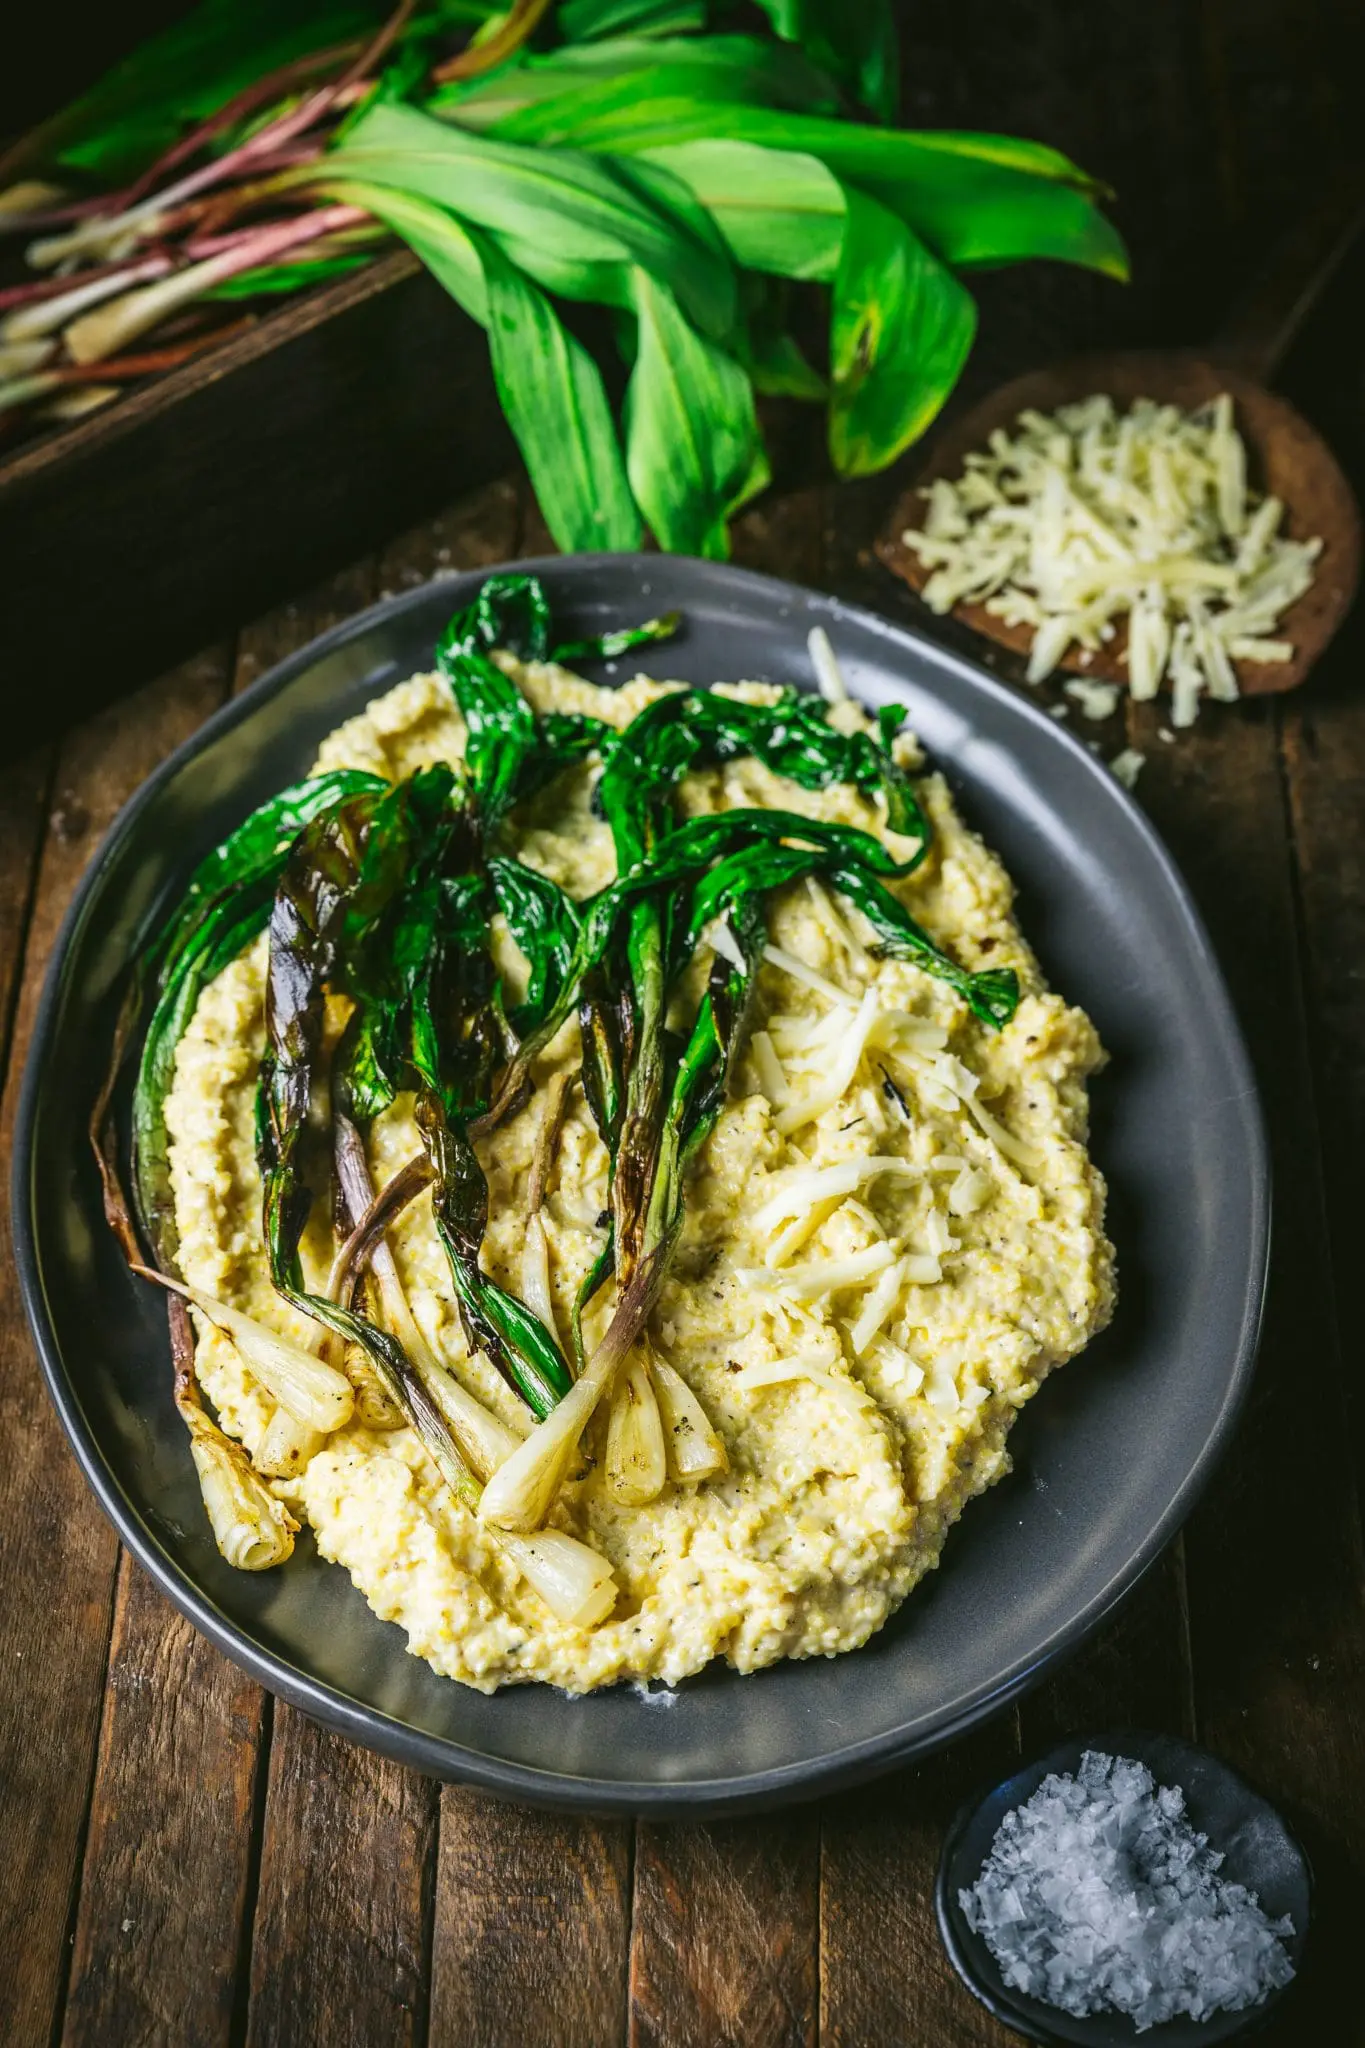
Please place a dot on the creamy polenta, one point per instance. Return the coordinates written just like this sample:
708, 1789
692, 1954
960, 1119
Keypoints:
893, 1234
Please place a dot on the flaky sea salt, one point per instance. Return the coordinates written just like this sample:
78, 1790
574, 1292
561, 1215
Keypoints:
1099, 1895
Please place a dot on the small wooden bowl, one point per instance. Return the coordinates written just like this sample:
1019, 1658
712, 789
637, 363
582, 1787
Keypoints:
1286, 457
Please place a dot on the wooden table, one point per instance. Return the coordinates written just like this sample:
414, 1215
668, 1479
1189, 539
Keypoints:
188, 1862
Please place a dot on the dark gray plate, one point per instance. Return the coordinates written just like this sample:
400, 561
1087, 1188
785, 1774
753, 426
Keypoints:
1110, 1457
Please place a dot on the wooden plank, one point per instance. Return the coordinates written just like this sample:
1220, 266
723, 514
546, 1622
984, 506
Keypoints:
530, 1928
1323, 749
60, 1553
782, 535
1274, 1555
167, 1862
1324, 761
725, 1933
884, 1976
339, 1949
23, 808
168, 1842
474, 532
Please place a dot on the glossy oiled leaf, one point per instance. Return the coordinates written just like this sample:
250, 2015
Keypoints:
552, 394
225, 906
780, 211
693, 449
901, 327
566, 204
854, 40
993, 995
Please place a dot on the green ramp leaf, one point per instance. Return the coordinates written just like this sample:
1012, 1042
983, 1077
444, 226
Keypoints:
693, 450
779, 210
565, 206
853, 40
431, 233
975, 199
901, 328
581, 20
146, 101
531, 101
556, 406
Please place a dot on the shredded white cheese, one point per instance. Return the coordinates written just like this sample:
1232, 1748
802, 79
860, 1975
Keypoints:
1097, 700
825, 662
1087, 517
807, 1366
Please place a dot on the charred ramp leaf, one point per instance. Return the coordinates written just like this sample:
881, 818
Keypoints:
452, 1051
510, 752
341, 875
225, 906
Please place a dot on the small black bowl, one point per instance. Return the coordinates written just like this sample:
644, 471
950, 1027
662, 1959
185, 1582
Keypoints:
1258, 1848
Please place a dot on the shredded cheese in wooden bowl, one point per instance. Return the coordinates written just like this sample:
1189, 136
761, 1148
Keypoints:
1088, 520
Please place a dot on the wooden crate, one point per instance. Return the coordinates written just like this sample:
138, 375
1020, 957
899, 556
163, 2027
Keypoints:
202, 498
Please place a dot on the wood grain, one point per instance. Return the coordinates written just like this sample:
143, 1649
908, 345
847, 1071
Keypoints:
1274, 1557
23, 814
339, 1945
59, 1552
529, 1943
477, 530
167, 1862
1324, 758
884, 1976
1135, 1673
724, 1938
1275, 1566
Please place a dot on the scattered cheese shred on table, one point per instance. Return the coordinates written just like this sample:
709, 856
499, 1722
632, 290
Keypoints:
1087, 516
1099, 1896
